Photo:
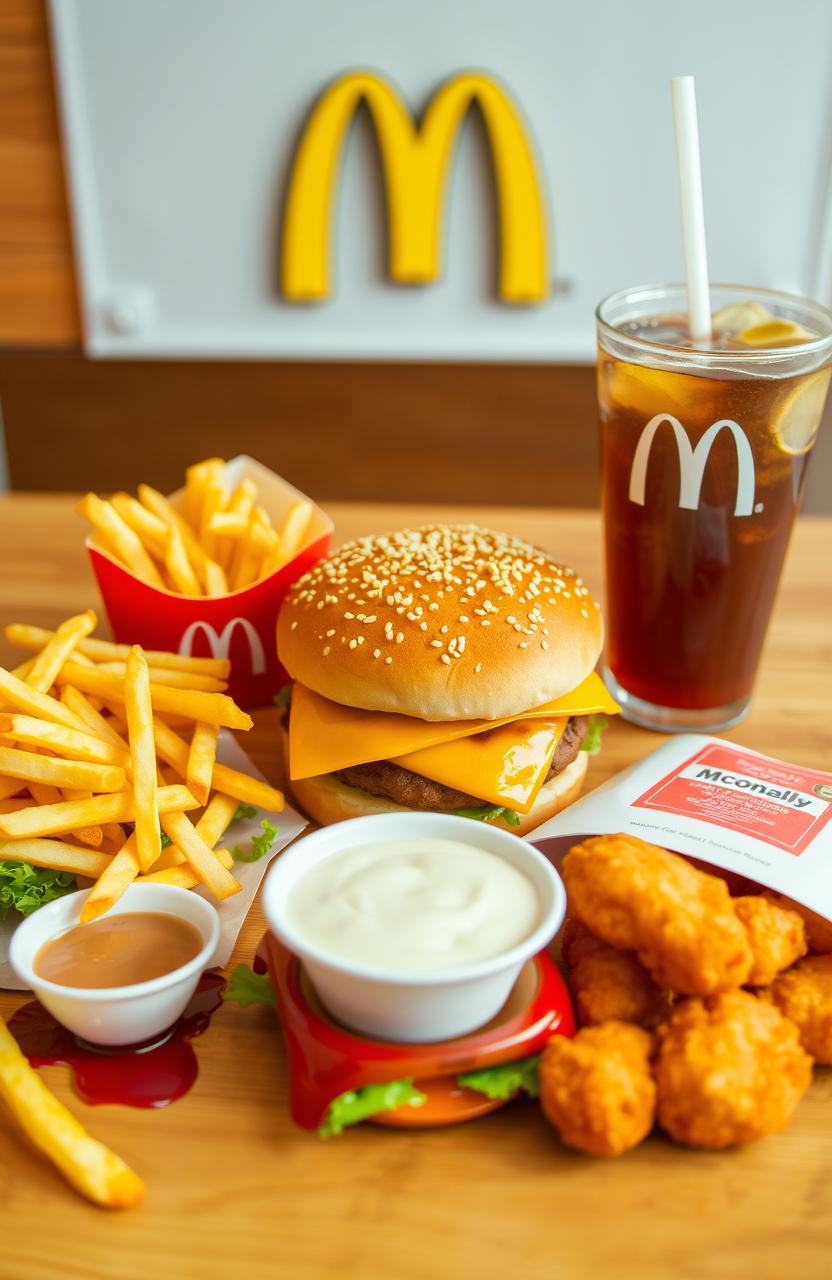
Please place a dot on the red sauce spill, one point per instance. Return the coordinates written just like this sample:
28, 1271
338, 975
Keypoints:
152, 1074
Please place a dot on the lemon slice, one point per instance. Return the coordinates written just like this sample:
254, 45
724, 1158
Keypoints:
774, 333
798, 419
739, 315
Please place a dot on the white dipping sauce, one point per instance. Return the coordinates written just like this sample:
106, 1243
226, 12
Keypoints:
414, 905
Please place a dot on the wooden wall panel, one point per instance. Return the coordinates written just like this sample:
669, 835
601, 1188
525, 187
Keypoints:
38, 302
514, 434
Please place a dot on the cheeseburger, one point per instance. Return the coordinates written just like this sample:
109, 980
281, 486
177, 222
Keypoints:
446, 668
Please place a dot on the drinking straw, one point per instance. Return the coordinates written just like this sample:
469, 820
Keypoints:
693, 214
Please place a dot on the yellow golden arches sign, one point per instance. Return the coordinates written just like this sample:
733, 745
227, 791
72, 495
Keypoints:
416, 162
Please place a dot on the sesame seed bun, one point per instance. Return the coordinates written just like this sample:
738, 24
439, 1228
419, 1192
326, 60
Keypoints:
445, 622
325, 799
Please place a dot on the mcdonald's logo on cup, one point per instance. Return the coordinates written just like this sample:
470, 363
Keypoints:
416, 162
692, 462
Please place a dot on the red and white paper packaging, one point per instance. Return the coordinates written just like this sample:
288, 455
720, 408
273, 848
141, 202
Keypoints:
709, 799
240, 625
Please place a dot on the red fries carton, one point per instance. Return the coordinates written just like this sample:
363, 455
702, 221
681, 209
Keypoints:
239, 626
764, 820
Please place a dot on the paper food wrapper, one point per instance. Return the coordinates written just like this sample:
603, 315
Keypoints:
710, 799
233, 911
240, 626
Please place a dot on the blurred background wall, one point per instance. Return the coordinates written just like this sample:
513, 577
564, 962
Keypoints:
506, 432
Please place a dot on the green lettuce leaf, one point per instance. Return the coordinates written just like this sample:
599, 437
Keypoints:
356, 1105
24, 888
246, 987
243, 813
260, 845
490, 813
505, 1080
283, 697
592, 741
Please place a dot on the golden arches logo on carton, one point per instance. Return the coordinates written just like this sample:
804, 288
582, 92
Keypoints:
416, 159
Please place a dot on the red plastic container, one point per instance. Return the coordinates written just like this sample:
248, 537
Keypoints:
239, 626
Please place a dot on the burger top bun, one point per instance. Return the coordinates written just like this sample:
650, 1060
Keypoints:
446, 622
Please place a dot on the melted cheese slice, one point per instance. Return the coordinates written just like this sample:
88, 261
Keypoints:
505, 766
325, 736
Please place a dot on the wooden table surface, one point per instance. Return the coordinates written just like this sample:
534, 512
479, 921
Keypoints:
235, 1191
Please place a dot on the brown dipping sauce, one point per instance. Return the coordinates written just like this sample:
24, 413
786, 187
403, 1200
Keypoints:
118, 950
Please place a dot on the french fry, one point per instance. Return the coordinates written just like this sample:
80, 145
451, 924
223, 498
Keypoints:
71, 744
55, 653
119, 806
181, 875
119, 538
152, 531
174, 751
202, 860
142, 757
159, 505
91, 836
295, 527
9, 787
22, 697
170, 676
201, 758
247, 558
216, 497
197, 478
216, 583
57, 855
216, 708
44, 793
24, 636
12, 806
112, 882
179, 567
228, 524
216, 818
92, 718
94, 1170
61, 773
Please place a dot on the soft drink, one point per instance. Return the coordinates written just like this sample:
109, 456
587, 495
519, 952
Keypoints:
704, 457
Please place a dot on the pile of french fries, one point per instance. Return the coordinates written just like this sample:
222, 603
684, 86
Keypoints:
104, 747
221, 541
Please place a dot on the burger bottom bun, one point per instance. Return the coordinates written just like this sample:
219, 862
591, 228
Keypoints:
326, 800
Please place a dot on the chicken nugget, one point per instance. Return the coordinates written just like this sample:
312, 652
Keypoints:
804, 995
818, 930
576, 941
608, 984
597, 1090
729, 1070
680, 922
777, 937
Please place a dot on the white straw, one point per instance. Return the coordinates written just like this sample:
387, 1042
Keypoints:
693, 213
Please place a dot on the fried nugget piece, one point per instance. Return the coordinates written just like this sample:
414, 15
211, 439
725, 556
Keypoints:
818, 930
577, 941
804, 995
608, 984
777, 937
597, 1090
680, 922
730, 1069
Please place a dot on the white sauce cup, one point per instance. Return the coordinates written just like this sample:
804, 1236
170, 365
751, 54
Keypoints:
406, 1006
117, 1015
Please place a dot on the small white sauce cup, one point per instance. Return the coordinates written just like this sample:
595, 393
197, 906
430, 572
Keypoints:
117, 1015
402, 1005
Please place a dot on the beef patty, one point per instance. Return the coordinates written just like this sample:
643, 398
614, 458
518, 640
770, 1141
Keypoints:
383, 778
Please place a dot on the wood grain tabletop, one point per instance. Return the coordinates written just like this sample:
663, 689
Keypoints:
234, 1190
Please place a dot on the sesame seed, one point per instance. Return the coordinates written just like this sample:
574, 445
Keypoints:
423, 626
349, 615
331, 631
443, 631
478, 668
326, 650
524, 644
463, 617
436, 644
544, 644
294, 625
370, 618
353, 644
376, 653
388, 659
485, 623
360, 639
445, 659
399, 637
433, 606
